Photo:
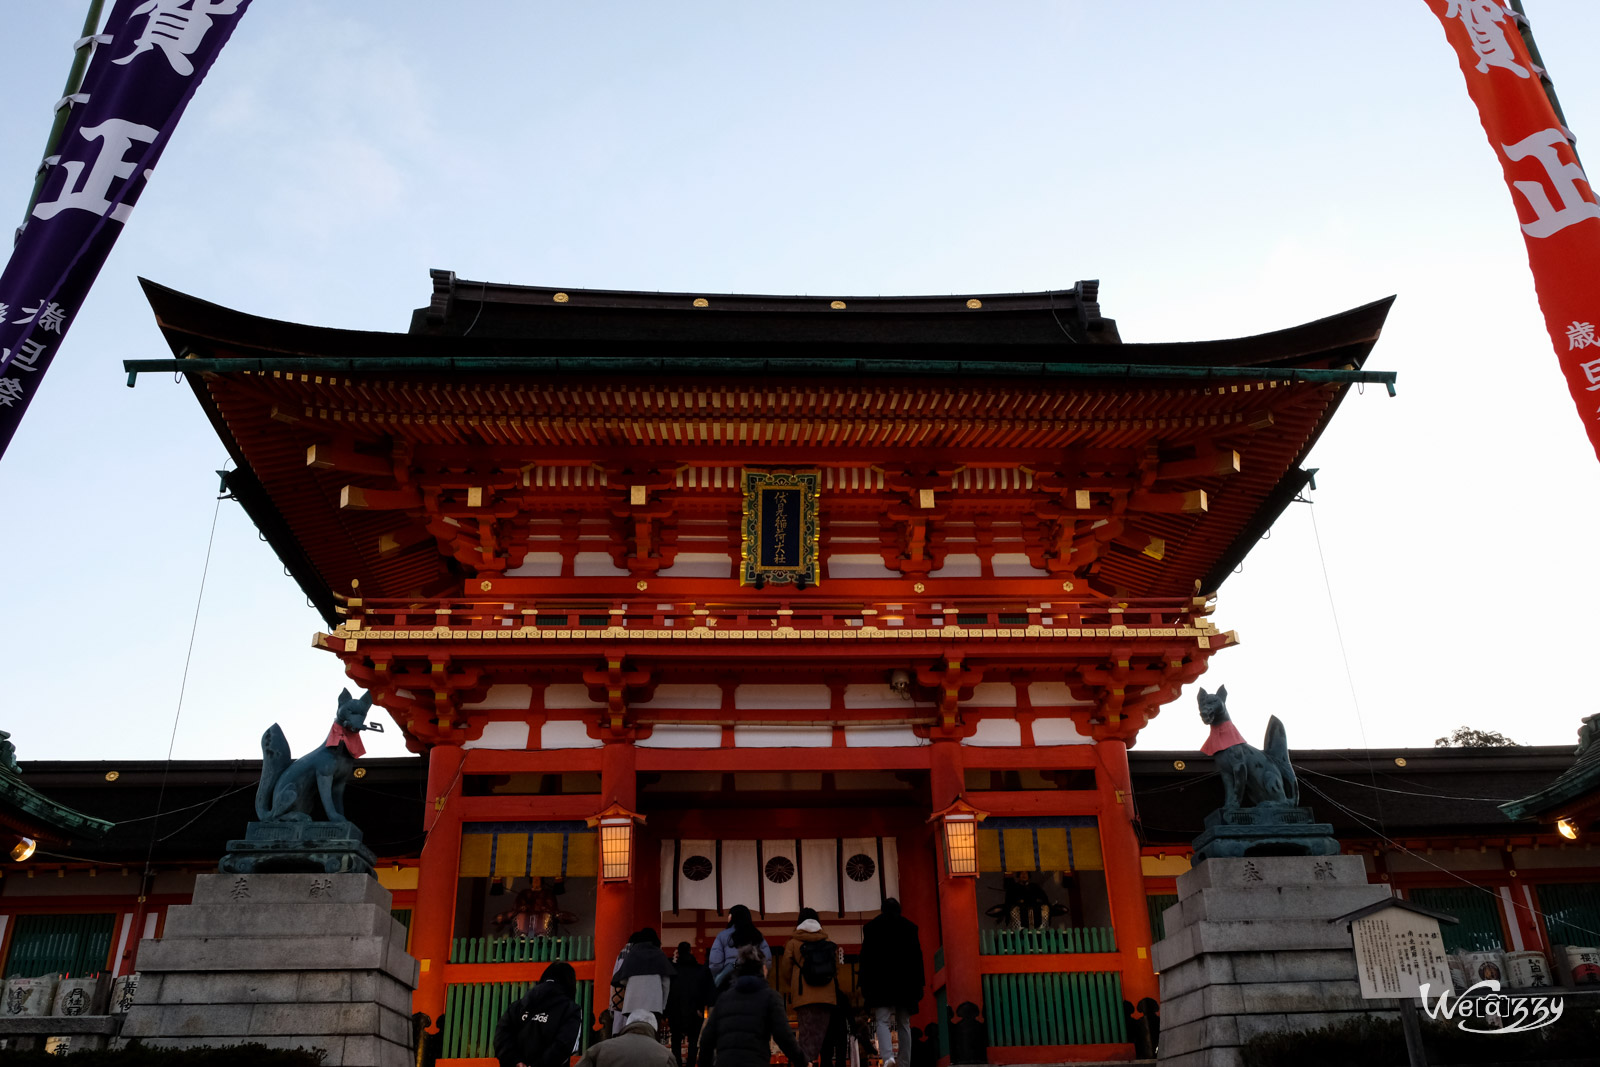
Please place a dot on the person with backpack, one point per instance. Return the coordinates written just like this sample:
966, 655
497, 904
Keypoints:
741, 931
808, 974
892, 979
541, 1027
748, 1018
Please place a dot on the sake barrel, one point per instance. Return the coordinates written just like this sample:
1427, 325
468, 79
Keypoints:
1527, 970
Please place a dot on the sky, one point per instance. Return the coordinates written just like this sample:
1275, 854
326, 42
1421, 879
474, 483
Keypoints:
1223, 169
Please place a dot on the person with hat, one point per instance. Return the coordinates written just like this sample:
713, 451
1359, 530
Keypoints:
541, 1028
808, 975
636, 1046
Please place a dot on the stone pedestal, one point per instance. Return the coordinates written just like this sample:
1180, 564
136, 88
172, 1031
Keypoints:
284, 960
1264, 830
1249, 949
291, 846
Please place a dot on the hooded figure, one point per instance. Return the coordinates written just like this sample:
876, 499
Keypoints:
740, 933
808, 974
644, 975
541, 1028
892, 979
691, 994
748, 1018
636, 1046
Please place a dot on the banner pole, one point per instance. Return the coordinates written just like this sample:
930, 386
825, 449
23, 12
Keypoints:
80, 62
1525, 29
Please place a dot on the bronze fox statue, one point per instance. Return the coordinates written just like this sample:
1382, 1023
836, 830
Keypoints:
1250, 776
288, 791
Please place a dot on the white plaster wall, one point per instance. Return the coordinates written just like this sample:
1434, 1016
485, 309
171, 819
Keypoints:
537, 565
1014, 565
875, 695
568, 695
682, 736
882, 737
1054, 695
567, 733
782, 736
1058, 731
959, 565
596, 565
513, 735
992, 695
858, 565
782, 697
995, 733
699, 565
503, 697
695, 697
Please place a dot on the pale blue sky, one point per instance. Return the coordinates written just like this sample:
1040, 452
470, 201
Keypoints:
1224, 169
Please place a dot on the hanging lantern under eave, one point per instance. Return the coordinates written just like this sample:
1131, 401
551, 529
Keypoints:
616, 842
23, 849
1567, 828
960, 826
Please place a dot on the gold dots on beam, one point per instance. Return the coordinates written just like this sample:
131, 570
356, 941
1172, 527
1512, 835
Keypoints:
701, 302
561, 298
1178, 765
360, 772
974, 303
837, 305
112, 776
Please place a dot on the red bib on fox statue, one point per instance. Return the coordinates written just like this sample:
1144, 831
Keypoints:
352, 740
1223, 735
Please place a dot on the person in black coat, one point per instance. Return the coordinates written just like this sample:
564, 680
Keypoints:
748, 1017
892, 978
691, 994
541, 1028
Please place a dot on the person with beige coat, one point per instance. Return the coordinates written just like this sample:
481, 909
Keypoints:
808, 976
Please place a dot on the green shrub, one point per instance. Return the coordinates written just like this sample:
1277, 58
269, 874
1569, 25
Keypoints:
140, 1056
1374, 1042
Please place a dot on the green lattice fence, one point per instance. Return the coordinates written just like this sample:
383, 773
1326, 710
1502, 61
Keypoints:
472, 1010
72, 945
1035, 942
1479, 929
1571, 913
521, 949
1054, 1009
1158, 904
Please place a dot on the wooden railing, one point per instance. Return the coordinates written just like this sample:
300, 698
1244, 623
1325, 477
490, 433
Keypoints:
540, 949
473, 1010
1042, 942
1054, 1009
515, 617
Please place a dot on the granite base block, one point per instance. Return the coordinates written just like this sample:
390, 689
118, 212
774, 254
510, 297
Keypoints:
286, 960
1250, 950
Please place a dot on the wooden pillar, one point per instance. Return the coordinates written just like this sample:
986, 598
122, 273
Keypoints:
613, 906
433, 915
919, 902
1119, 847
958, 896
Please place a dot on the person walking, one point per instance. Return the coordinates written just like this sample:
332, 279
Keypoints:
541, 1028
808, 975
892, 979
691, 994
636, 1046
644, 976
741, 932
747, 1019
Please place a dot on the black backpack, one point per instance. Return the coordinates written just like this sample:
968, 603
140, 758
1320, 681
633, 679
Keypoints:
819, 962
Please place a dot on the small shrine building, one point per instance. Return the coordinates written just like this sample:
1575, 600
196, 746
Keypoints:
695, 600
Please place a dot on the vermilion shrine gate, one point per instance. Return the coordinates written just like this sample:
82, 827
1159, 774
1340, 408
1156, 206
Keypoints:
696, 601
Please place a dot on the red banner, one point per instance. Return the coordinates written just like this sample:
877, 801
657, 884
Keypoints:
1555, 203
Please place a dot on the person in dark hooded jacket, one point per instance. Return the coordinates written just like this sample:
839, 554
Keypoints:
748, 1017
644, 975
541, 1028
691, 994
892, 979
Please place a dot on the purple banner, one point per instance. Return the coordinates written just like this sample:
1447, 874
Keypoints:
147, 63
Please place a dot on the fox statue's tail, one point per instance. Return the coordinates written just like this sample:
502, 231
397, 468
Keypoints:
1276, 748
274, 761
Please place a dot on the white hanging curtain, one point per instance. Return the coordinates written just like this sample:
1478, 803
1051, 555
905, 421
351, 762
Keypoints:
780, 876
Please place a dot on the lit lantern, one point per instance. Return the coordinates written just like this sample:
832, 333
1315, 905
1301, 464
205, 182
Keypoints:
1568, 829
23, 848
960, 821
616, 842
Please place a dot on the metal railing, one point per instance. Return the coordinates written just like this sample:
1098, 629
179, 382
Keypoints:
1040, 942
473, 1009
541, 949
1054, 1009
